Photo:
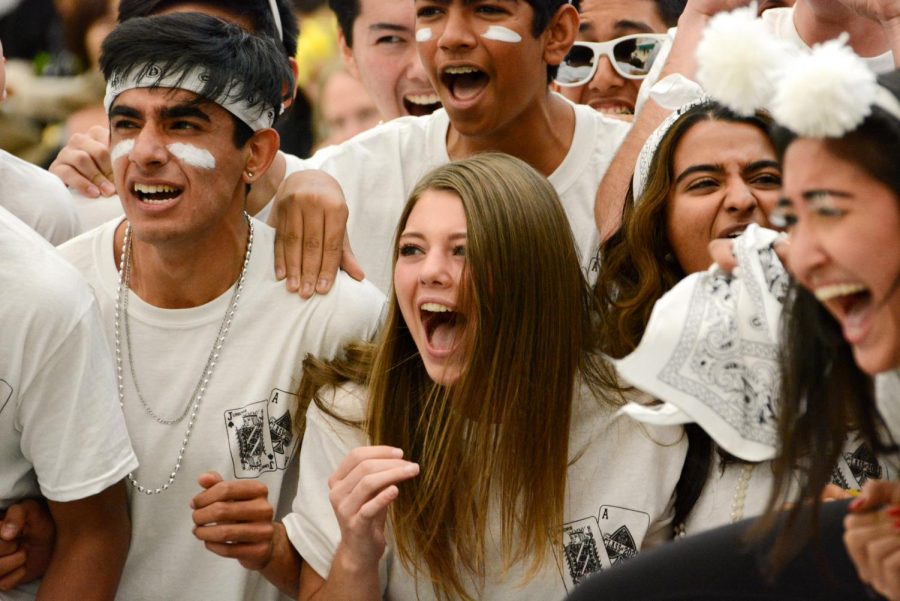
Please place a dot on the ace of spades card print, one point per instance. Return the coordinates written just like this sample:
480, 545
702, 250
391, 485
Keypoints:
261, 435
598, 542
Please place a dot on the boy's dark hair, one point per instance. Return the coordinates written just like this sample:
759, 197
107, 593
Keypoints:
670, 10
256, 11
244, 66
346, 12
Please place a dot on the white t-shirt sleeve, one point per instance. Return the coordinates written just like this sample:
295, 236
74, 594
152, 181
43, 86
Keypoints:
312, 526
73, 430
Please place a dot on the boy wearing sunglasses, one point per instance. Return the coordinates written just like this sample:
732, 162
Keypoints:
617, 43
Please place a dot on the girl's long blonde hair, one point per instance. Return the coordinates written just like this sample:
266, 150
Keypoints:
495, 443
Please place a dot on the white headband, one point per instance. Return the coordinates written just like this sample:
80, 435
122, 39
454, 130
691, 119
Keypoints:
678, 94
148, 76
826, 92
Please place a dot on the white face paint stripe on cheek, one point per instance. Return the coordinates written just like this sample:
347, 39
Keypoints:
423, 35
192, 155
498, 33
121, 149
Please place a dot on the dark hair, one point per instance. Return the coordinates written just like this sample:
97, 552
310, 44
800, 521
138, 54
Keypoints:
670, 10
256, 11
347, 11
245, 66
818, 363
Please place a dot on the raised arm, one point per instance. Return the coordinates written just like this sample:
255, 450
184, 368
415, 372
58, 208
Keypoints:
92, 538
887, 13
361, 490
614, 186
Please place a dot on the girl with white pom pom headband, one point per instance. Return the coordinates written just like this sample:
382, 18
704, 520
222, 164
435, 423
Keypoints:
839, 136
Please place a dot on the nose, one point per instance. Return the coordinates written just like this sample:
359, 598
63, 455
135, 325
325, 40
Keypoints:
739, 197
149, 148
605, 77
805, 254
456, 32
415, 69
434, 270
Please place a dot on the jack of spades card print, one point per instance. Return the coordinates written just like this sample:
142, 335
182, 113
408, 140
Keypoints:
261, 435
596, 543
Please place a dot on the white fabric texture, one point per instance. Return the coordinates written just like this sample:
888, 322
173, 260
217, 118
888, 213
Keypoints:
887, 398
710, 349
244, 428
780, 21
62, 434
619, 499
38, 198
379, 168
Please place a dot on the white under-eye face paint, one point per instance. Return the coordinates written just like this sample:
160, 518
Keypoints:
498, 33
423, 35
121, 149
192, 155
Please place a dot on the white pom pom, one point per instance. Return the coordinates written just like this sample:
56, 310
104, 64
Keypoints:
825, 93
738, 60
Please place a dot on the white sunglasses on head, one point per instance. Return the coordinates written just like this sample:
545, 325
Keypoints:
631, 56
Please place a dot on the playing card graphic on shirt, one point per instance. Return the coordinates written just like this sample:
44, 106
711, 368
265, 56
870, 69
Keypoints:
622, 530
261, 435
5, 394
596, 543
583, 551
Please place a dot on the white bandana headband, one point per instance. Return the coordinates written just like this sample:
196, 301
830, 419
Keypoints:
676, 93
148, 76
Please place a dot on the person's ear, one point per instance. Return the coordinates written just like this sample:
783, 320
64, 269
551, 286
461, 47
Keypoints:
260, 151
347, 55
560, 34
287, 96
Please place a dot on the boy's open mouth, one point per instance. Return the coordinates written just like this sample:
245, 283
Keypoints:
464, 82
155, 194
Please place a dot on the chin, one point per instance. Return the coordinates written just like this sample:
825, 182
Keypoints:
442, 375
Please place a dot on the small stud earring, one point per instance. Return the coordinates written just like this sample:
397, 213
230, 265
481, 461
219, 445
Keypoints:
249, 174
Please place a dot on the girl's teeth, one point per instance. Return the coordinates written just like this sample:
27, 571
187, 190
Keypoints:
435, 308
837, 290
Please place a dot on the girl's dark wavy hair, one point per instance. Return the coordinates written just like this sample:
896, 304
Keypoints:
245, 66
825, 395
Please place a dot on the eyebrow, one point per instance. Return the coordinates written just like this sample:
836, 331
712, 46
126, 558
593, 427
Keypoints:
389, 27
183, 110
810, 195
174, 112
457, 236
754, 166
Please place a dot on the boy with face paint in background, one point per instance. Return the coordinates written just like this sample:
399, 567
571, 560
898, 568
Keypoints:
191, 101
490, 62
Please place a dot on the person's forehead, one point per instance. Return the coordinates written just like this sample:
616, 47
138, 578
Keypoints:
613, 18
392, 12
212, 10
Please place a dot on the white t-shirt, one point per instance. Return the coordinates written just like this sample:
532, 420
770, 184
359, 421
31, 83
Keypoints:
244, 428
61, 431
619, 499
38, 198
378, 169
